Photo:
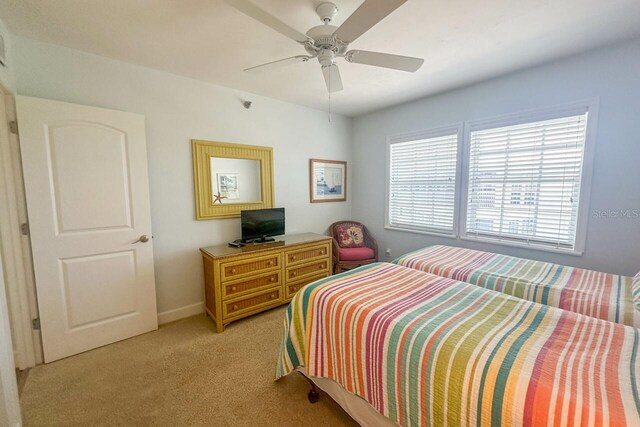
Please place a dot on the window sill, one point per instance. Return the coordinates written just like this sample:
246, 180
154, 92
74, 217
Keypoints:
428, 233
572, 252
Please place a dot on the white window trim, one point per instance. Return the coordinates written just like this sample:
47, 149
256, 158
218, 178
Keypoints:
458, 129
574, 108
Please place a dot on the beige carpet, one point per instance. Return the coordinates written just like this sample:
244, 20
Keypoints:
182, 374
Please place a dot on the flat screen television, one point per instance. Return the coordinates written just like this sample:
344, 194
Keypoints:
260, 224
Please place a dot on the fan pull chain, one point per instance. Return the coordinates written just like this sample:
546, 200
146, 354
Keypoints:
329, 95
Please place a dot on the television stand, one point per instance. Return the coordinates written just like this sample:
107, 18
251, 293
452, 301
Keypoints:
243, 281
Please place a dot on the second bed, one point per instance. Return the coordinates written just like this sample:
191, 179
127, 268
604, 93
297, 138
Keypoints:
592, 293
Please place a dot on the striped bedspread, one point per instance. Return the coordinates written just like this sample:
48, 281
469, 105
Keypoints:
425, 350
601, 295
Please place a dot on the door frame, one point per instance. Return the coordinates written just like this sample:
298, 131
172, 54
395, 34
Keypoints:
9, 400
16, 246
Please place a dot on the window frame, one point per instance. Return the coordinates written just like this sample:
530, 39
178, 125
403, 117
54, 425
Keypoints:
458, 130
589, 106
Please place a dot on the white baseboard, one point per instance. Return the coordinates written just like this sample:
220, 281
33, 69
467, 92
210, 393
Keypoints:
180, 313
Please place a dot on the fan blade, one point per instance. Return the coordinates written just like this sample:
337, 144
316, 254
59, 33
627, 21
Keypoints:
366, 16
277, 64
332, 78
386, 60
250, 9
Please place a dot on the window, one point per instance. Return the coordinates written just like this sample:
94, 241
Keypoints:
524, 181
421, 191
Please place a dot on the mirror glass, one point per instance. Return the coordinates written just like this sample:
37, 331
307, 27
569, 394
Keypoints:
237, 180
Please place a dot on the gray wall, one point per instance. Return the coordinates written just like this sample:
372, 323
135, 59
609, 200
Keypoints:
178, 109
7, 72
9, 403
612, 74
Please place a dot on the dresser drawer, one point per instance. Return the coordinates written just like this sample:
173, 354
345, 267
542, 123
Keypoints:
309, 269
250, 267
307, 254
292, 288
236, 288
252, 303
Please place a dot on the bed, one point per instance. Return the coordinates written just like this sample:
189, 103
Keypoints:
425, 350
601, 295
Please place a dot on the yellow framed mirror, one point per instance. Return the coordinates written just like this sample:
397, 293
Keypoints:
229, 178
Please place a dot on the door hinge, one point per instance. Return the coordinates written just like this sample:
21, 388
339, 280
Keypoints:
13, 127
35, 324
24, 228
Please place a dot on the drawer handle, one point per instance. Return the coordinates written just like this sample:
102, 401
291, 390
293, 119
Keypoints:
233, 289
321, 252
321, 266
235, 307
293, 257
294, 289
272, 279
272, 296
270, 263
233, 271
294, 273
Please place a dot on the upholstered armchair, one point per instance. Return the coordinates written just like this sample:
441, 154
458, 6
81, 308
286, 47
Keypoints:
353, 245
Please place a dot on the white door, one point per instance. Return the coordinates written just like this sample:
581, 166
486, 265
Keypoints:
87, 190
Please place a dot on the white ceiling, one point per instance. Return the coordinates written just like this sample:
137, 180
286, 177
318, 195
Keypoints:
462, 41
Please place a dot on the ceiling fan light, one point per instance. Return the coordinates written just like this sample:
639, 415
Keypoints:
325, 57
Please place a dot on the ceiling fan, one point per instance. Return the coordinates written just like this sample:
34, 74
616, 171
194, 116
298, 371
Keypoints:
327, 42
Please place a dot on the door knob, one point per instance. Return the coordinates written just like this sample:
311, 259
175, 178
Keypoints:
142, 239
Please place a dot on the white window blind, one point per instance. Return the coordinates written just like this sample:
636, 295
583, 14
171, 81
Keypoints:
524, 182
422, 184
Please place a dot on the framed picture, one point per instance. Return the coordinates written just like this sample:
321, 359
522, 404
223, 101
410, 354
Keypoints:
328, 180
228, 186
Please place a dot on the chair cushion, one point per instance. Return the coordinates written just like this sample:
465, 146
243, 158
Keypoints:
350, 236
355, 254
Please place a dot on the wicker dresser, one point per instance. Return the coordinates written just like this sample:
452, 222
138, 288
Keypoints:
239, 282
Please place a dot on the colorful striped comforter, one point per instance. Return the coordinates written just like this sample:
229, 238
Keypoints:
425, 350
601, 295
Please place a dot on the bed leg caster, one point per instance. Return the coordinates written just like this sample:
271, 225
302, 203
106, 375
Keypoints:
313, 395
